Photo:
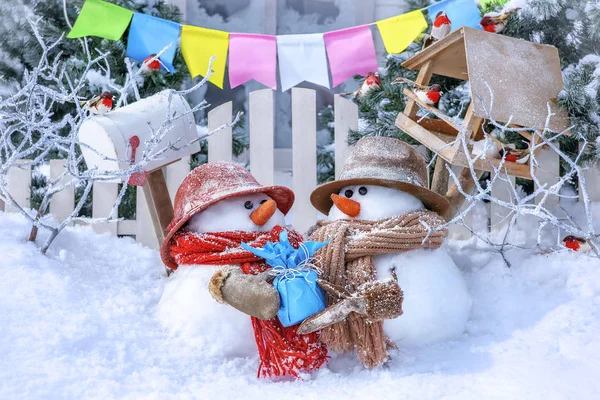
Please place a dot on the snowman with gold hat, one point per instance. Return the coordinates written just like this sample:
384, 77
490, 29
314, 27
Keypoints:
388, 278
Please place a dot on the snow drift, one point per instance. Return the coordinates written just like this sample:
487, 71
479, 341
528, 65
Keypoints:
84, 322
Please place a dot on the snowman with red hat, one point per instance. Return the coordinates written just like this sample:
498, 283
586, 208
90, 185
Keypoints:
218, 207
389, 279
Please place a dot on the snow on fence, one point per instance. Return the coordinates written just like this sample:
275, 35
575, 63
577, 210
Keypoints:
263, 164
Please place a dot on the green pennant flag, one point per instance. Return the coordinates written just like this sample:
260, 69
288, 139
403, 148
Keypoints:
102, 19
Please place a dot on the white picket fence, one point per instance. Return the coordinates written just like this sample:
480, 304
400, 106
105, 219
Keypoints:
264, 161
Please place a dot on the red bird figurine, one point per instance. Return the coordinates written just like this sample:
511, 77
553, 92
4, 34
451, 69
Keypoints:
494, 22
441, 28
100, 104
371, 82
576, 244
429, 95
152, 65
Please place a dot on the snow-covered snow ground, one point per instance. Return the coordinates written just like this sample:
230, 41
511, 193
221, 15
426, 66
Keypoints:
81, 323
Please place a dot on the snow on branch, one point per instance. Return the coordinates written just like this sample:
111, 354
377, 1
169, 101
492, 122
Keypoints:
539, 204
30, 132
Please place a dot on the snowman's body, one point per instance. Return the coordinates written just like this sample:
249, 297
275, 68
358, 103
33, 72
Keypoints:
186, 307
436, 302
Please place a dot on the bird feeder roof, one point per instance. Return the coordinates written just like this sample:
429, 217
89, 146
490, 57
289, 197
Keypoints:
524, 77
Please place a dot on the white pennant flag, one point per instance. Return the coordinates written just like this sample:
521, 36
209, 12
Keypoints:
302, 58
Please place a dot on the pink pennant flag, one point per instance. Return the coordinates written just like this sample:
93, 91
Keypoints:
252, 57
350, 51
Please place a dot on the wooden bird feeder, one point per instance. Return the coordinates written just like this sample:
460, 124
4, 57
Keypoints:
113, 141
524, 78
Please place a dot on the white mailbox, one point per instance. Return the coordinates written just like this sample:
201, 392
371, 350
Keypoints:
121, 134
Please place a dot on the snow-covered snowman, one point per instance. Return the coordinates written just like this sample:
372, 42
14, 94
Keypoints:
217, 207
382, 222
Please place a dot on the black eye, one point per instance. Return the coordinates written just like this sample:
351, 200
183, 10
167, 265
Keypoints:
363, 190
248, 205
348, 193
264, 201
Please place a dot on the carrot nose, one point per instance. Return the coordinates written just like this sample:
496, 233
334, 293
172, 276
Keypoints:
261, 215
349, 207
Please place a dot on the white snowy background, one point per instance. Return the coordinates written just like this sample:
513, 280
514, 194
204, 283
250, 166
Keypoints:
83, 322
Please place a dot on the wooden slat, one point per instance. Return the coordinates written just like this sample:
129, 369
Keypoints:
345, 118
501, 190
548, 172
144, 229
219, 144
435, 125
427, 54
159, 203
423, 78
19, 186
415, 99
62, 203
104, 195
127, 227
592, 181
438, 144
433, 142
175, 173
262, 135
439, 182
304, 162
456, 231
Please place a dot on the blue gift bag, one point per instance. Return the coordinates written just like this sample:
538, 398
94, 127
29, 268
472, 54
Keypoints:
295, 278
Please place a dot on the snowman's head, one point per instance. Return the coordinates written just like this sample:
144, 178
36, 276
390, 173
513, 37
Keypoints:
371, 202
252, 212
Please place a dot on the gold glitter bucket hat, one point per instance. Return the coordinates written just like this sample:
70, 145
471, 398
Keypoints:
382, 161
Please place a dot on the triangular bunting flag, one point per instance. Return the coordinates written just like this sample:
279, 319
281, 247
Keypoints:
350, 51
252, 57
198, 45
302, 58
149, 35
400, 31
102, 19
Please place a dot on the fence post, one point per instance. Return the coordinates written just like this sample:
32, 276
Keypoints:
262, 135
144, 227
458, 231
548, 173
175, 174
219, 144
345, 118
592, 180
19, 186
62, 203
304, 159
502, 191
104, 196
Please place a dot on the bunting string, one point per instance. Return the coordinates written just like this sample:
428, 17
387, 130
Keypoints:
304, 57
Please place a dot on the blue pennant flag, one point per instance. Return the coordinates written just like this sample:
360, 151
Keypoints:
148, 35
460, 12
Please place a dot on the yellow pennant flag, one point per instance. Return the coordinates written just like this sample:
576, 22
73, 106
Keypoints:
400, 31
198, 45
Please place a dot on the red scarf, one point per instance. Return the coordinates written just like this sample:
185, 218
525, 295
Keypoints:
282, 351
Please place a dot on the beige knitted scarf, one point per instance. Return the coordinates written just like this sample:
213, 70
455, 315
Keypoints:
348, 262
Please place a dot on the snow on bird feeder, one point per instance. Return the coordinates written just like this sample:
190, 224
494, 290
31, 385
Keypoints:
118, 138
523, 78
